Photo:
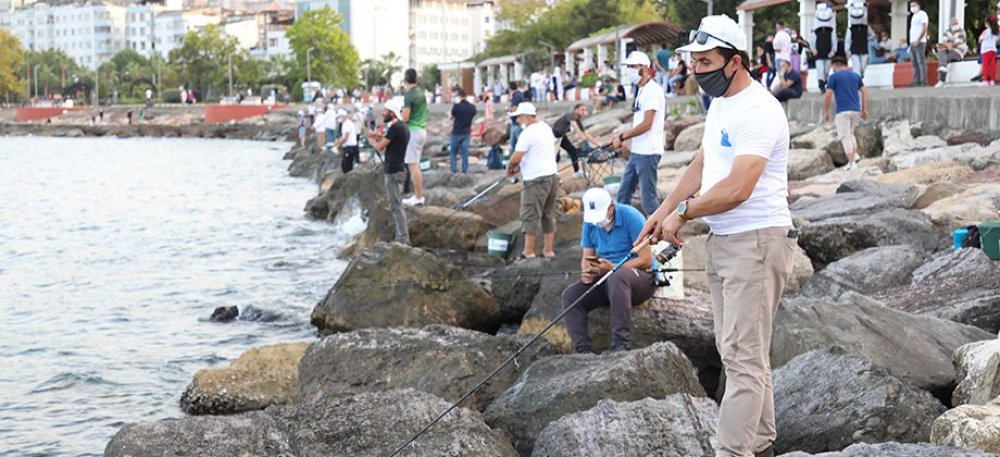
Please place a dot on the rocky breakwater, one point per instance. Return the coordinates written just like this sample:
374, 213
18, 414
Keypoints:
861, 367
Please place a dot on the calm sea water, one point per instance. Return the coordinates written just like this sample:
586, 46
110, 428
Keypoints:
113, 254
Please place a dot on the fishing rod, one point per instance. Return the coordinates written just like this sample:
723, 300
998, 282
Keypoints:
644, 244
512, 180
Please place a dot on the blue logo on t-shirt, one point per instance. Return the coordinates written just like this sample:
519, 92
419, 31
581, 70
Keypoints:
725, 139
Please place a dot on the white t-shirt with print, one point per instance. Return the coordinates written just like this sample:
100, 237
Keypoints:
917, 24
649, 98
348, 128
748, 123
539, 147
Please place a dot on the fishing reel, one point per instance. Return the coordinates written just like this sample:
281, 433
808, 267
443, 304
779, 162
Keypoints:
661, 277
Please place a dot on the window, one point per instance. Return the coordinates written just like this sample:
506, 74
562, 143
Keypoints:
465, 21
486, 19
434, 35
454, 37
454, 21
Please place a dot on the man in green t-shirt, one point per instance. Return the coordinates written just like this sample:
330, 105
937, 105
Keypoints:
415, 117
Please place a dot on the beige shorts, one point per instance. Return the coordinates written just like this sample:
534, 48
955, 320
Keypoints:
415, 148
846, 122
538, 205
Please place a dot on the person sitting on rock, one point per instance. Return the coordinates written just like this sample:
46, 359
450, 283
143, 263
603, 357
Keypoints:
791, 83
608, 231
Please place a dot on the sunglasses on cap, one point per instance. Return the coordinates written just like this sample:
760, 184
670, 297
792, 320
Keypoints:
701, 37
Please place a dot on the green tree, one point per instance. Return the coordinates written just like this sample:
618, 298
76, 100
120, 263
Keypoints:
12, 83
202, 61
55, 70
429, 76
334, 59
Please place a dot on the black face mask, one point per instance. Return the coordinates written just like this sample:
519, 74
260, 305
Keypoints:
714, 83
387, 118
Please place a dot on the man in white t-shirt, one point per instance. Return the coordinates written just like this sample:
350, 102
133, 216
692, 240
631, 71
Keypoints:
535, 158
348, 141
646, 134
739, 184
330, 124
918, 43
319, 126
782, 43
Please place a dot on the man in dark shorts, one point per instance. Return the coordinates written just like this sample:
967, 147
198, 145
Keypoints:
393, 146
563, 126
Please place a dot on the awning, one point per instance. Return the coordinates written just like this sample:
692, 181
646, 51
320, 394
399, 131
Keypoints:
501, 60
751, 5
641, 34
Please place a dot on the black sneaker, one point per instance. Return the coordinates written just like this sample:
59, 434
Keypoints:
618, 346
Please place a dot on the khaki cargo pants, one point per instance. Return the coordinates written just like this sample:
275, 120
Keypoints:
746, 275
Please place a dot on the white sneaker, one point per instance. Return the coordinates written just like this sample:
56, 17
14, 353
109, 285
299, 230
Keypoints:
939, 84
850, 165
578, 173
413, 201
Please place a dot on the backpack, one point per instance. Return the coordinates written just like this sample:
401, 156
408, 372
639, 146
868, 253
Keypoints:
972, 239
493, 161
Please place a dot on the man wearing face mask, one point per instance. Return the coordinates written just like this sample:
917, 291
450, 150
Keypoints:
648, 112
739, 184
608, 231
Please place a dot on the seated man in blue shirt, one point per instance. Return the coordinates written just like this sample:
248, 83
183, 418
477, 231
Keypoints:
608, 232
791, 83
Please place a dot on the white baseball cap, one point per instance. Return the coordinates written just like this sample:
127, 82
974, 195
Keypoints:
396, 106
716, 32
596, 201
637, 58
525, 108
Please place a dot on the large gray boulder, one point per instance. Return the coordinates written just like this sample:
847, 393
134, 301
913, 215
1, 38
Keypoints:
856, 197
896, 450
978, 366
679, 425
362, 425
437, 227
916, 349
555, 386
969, 426
690, 138
832, 239
865, 272
806, 163
827, 400
959, 285
361, 191
392, 285
515, 285
444, 361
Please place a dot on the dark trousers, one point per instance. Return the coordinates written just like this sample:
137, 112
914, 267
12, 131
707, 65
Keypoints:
625, 288
350, 158
574, 153
786, 94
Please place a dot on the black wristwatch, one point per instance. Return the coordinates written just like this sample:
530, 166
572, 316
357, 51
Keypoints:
621, 137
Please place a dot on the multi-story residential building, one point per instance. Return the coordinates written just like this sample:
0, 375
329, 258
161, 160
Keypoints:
88, 33
170, 27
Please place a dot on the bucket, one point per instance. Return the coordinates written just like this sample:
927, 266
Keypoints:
989, 234
499, 243
425, 164
958, 237
612, 183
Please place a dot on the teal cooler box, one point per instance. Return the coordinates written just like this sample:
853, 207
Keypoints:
989, 234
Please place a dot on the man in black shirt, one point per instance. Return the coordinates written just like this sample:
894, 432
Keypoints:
393, 146
561, 129
462, 114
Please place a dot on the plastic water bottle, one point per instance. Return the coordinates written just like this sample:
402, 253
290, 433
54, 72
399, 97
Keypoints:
958, 237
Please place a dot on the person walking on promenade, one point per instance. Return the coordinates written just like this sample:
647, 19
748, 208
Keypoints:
648, 113
462, 114
608, 231
844, 85
918, 43
988, 51
393, 145
738, 183
415, 117
535, 158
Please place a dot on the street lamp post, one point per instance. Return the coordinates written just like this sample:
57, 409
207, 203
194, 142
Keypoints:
35, 73
230, 74
309, 65
709, 2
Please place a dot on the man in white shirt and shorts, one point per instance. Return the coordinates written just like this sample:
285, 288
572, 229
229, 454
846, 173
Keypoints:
535, 158
738, 182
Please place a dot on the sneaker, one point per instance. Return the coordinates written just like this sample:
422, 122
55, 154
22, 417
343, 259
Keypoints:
618, 346
578, 173
768, 452
851, 165
939, 84
984, 84
413, 201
